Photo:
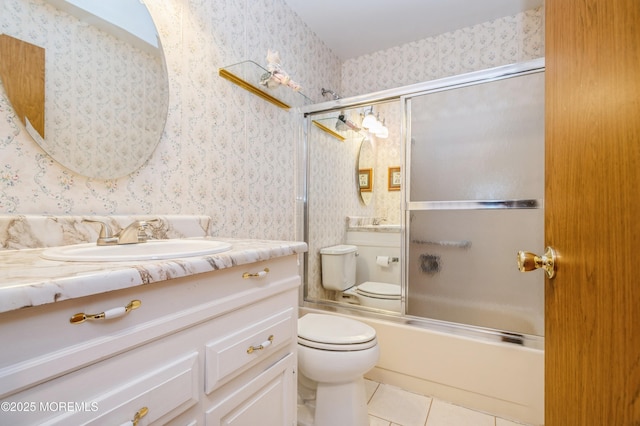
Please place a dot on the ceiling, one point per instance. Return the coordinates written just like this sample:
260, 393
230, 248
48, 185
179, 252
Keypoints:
352, 28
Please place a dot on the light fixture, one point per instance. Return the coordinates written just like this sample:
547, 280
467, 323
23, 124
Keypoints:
375, 127
382, 132
369, 120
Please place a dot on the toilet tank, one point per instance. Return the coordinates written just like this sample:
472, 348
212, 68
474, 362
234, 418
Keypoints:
338, 267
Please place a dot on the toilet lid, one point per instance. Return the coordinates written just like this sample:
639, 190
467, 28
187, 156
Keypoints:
334, 330
379, 290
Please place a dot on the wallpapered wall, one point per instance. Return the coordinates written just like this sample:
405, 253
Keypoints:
500, 42
224, 152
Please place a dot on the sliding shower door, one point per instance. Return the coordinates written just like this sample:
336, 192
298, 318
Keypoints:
475, 190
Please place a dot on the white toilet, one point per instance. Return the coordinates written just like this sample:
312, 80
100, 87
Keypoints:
377, 295
339, 274
333, 354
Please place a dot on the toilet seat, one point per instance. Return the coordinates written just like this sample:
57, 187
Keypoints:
334, 333
378, 290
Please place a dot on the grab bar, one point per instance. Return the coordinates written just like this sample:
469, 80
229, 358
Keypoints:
461, 244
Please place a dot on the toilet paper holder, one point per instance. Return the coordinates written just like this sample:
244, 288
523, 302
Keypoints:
386, 260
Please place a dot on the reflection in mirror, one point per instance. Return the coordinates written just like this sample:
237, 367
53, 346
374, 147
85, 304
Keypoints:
349, 203
106, 85
364, 169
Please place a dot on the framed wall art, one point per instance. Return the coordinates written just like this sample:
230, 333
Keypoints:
395, 178
365, 182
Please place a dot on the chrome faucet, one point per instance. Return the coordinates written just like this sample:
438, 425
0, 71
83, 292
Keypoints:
131, 234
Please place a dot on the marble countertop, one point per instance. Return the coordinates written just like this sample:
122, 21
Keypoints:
26, 279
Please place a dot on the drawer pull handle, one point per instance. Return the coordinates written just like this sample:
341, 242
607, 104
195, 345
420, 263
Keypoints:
264, 345
108, 314
257, 274
136, 418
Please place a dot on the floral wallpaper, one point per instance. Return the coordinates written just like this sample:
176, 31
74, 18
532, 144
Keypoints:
503, 41
223, 153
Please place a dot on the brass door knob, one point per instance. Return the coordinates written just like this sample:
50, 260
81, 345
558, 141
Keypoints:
529, 261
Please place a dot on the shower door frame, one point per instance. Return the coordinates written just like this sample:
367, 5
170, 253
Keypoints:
464, 205
402, 94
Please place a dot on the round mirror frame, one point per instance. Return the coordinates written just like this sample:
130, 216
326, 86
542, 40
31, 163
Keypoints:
105, 112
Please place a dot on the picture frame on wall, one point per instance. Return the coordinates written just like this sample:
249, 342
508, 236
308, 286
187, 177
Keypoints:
365, 182
395, 178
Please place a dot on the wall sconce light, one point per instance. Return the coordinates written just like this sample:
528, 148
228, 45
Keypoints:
369, 120
373, 124
382, 132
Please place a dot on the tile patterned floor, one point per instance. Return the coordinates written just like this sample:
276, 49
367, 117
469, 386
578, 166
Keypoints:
392, 406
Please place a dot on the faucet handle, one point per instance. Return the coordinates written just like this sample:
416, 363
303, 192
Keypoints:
106, 234
142, 225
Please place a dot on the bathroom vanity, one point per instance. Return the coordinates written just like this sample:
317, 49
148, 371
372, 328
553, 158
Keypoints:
201, 340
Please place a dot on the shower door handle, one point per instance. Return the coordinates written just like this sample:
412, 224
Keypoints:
548, 261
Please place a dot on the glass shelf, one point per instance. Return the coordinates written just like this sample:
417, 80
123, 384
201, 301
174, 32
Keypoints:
248, 75
337, 128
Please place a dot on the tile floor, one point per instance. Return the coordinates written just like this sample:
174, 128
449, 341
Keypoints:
392, 406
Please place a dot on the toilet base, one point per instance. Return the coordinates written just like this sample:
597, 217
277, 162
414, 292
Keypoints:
305, 415
335, 404
342, 404
306, 401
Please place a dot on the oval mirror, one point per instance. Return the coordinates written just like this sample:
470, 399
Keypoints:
106, 90
364, 170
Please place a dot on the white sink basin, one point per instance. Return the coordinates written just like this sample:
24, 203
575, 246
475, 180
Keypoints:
151, 250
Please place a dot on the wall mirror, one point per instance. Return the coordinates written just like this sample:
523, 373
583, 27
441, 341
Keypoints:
348, 201
106, 84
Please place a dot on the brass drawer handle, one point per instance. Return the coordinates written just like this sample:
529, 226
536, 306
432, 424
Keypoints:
256, 274
108, 314
264, 345
136, 418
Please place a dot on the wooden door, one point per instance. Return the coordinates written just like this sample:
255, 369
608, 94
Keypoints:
592, 212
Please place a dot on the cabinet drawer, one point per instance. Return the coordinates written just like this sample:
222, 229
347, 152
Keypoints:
112, 393
266, 400
231, 355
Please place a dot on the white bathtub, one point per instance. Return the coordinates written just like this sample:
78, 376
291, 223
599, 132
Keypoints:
502, 379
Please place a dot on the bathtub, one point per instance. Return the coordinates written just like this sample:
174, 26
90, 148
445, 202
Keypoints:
477, 369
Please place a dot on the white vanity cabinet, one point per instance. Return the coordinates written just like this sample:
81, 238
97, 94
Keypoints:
217, 348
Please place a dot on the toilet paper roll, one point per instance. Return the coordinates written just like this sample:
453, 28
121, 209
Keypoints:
382, 261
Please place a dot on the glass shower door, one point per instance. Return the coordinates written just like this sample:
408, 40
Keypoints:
475, 190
